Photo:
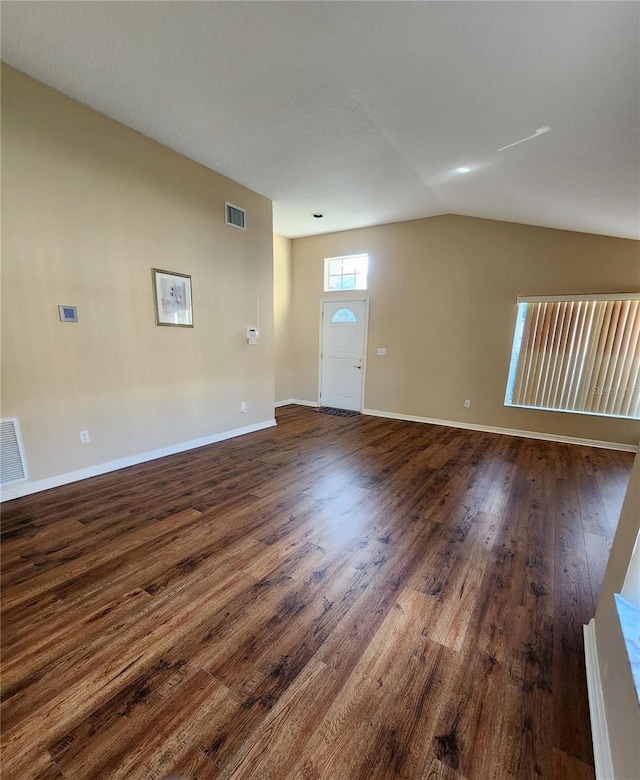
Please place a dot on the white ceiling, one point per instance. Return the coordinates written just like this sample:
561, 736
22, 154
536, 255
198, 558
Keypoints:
361, 110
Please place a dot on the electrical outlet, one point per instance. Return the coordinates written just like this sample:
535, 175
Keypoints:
382, 351
243, 407
467, 404
84, 437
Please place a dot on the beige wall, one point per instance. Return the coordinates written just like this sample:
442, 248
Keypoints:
88, 208
282, 280
620, 702
443, 302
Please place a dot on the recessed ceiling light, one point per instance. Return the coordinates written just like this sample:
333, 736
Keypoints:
463, 169
318, 216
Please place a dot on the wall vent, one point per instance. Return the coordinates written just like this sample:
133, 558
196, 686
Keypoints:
13, 463
235, 216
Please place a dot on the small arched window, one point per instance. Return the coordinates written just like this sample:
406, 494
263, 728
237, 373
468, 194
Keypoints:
344, 315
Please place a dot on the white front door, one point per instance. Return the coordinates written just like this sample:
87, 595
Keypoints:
342, 354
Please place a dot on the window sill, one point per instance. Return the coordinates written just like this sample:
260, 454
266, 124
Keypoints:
571, 411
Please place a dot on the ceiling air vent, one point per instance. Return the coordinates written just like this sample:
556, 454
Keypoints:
13, 464
235, 216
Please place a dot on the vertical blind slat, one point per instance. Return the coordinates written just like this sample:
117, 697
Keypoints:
632, 347
618, 358
529, 353
521, 369
561, 355
632, 403
533, 349
598, 325
579, 323
540, 358
602, 400
551, 355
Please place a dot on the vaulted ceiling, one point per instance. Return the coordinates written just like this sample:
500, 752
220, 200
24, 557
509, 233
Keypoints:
363, 111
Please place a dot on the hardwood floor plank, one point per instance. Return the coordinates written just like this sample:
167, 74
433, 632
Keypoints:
370, 599
37, 653
151, 739
597, 555
59, 698
525, 730
22, 549
574, 608
44, 768
98, 736
459, 571
492, 481
467, 720
567, 768
379, 723
226, 731
569, 531
194, 765
439, 771
78, 565
353, 633
28, 614
592, 510
288, 726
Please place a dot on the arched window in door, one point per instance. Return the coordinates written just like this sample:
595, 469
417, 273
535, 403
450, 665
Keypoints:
344, 315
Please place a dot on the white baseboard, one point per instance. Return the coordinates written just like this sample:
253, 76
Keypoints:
599, 732
606, 445
296, 401
27, 488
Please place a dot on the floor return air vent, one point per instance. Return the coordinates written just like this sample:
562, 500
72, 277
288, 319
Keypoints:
13, 463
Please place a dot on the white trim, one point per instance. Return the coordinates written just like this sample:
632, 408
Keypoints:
593, 297
605, 445
599, 731
25, 489
297, 402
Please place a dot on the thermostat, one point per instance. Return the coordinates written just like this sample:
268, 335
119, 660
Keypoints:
252, 335
68, 313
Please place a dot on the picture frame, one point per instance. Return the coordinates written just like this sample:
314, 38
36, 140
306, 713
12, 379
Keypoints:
172, 298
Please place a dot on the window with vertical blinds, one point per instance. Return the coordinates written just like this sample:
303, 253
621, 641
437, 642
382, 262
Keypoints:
577, 354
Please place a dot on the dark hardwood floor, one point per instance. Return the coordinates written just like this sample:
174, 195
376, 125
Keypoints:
331, 599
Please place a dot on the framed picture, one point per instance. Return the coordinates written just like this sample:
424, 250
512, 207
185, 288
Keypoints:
172, 294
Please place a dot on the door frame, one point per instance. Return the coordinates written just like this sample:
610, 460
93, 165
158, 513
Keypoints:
363, 299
